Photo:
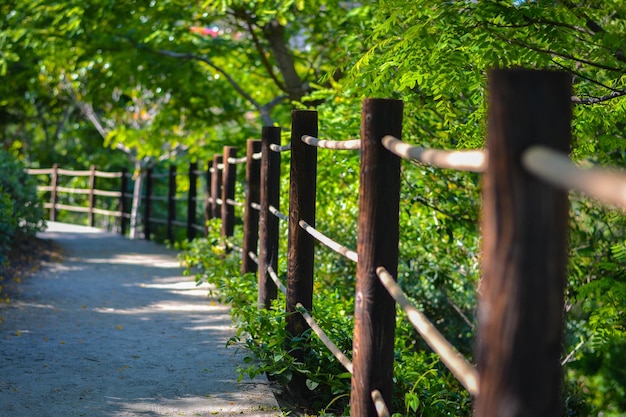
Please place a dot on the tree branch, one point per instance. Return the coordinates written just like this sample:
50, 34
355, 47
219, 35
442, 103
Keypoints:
207, 61
583, 76
66, 114
559, 54
88, 112
275, 35
259, 48
596, 100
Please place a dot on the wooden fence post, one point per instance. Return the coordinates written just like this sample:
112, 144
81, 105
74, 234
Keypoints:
300, 264
228, 191
171, 202
378, 234
208, 199
216, 187
54, 183
268, 223
148, 207
191, 200
251, 215
122, 202
92, 195
525, 246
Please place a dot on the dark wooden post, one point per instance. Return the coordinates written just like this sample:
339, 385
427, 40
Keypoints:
208, 199
122, 203
171, 203
377, 245
525, 244
148, 207
216, 187
54, 183
92, 195
300, 256
251, 215
268, 223
228, 191
191, 200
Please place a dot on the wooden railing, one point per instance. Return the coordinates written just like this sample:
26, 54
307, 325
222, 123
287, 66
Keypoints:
524, 226
527, 174
91, 208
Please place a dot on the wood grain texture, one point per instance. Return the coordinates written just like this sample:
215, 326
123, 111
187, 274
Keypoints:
377, 245
525, 242
251, 216
300, 255
268, 223
229, 178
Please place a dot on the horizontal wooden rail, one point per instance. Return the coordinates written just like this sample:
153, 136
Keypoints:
73, 173
278, 214
67, 207
379, 403
352, 145
112, 213
277, 148
458, 160
70, 190
105, 174
607, 186
276, 280
39, 171
328, 242
105, 193
337, 353
458, 365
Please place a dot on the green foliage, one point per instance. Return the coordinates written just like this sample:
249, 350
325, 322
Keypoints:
21, 213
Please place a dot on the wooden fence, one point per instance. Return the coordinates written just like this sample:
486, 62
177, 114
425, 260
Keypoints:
55, 189
525, 212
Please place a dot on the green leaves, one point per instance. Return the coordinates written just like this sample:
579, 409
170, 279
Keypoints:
21, 212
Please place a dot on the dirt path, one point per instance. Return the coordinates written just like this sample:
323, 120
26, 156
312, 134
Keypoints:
116, 330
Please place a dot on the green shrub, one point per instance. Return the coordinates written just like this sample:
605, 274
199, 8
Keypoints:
21, 213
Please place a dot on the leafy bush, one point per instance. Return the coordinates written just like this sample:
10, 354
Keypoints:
21, 214
422, 384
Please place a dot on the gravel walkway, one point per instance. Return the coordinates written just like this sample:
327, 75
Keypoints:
116, 330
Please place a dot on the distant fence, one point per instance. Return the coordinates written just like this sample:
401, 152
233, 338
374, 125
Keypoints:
525, 215
55, 189
193, 220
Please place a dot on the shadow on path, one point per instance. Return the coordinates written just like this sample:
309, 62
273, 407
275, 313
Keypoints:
116, 330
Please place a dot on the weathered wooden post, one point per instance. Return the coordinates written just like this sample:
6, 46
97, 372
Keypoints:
525, 244
54, 183
191, 200
208, 199
229, 180
268, 223
148, 207
251, 215
92, 195
300, 264
377, 245
171, 202
122, 201
216, 187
